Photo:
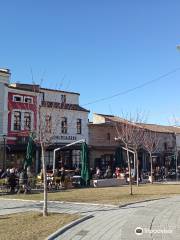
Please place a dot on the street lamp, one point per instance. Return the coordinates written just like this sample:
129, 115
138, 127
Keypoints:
4, 157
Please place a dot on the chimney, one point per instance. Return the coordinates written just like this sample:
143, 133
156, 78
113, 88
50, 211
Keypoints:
5, 75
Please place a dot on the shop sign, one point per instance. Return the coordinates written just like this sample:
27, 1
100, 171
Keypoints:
64, 137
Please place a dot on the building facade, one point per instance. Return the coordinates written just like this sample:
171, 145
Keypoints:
66, 122
102, 144
22, 120
27, 108
4, 81
105, 150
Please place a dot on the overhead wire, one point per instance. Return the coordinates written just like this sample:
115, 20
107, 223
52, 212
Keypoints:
134, 88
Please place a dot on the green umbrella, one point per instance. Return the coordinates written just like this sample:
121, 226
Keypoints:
84, 164
29, 151
119, 158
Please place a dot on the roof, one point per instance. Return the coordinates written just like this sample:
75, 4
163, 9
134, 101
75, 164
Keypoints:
113, 118
161, 128
156, 128
67, 106
104, 115
174, 129
151, 127
56, 90
5, 70
36, 88
91, 124
25, 87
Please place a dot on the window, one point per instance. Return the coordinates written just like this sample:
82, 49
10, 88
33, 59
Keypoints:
76, 158
48, 123
79, 126
22, 120
17, 98
28, 100
63, 98
17, 120
27, 121
64, 125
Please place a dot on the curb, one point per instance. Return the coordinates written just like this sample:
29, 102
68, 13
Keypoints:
86, 203
148, 200
61, 202
67, 227
21, 200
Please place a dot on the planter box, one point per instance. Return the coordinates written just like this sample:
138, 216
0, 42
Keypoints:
111, 182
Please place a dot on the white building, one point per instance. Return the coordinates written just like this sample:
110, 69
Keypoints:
4, 81
64, 121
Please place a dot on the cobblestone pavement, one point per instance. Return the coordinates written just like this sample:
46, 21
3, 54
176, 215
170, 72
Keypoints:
159, 219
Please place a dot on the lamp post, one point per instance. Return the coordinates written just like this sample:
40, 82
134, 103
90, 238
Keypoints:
176, 157
4, 155
68, 145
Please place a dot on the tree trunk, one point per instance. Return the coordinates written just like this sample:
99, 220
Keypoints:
45, 213
151, 168
129, 168
137, 169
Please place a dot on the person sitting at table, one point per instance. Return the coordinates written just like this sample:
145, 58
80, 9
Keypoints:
98, 173
77, 171
117, 172
62, 178
57, 178
108, 173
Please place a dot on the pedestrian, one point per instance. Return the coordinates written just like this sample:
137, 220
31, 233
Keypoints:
62, 177
23, 181
12, 180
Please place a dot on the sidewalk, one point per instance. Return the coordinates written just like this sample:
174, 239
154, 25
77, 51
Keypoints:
110, 222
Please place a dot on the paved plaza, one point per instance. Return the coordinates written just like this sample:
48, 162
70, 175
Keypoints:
158, 219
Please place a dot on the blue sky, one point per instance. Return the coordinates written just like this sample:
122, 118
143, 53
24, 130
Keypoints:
97, 48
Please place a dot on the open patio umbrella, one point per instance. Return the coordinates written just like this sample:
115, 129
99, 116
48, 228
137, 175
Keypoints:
84, 164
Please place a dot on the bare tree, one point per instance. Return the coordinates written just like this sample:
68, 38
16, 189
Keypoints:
137, 138
137, 142
125, 131
50, 114
130, 134
151, 144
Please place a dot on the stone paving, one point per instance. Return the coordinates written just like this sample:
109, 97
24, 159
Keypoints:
159, 219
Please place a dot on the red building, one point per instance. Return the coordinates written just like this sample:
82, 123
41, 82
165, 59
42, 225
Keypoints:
22, 119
